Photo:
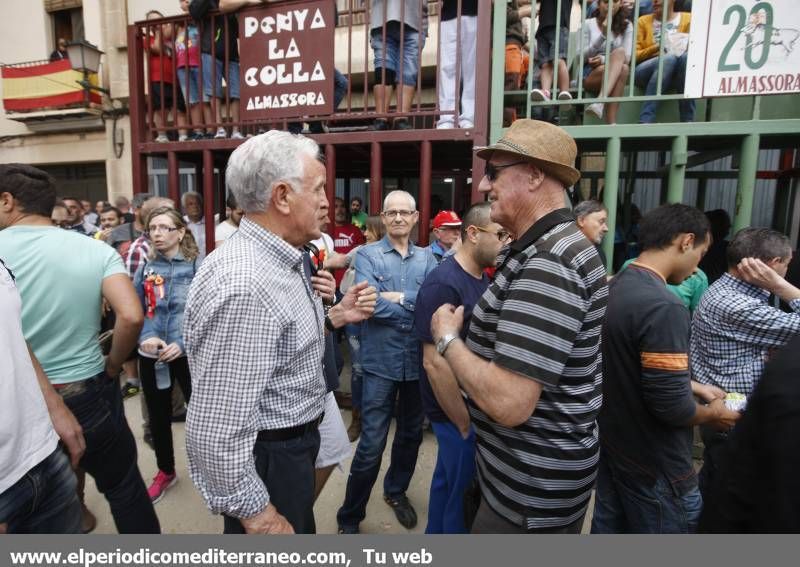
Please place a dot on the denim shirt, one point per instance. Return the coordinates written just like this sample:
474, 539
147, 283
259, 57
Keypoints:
167, 321
389, 346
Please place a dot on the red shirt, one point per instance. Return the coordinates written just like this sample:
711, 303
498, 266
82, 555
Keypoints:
345, 238
160, 65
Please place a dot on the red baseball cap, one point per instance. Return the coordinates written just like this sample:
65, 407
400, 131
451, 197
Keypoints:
446, 218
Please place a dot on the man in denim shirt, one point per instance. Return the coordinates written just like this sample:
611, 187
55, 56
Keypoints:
390, 364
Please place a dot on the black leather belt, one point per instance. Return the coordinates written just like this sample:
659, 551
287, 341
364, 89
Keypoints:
290, 432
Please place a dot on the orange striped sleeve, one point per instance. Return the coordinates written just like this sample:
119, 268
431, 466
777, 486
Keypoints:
674, 361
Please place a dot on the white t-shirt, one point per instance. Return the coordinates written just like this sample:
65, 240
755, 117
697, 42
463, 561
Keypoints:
224, 231
27, 436
325, 242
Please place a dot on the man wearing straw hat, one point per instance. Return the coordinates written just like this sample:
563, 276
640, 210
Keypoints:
531, 362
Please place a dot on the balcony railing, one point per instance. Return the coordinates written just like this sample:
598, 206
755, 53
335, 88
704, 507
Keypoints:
160, 43
37, 86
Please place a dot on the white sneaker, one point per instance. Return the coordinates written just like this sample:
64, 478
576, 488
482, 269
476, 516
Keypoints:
162, 139
466, 125
183, 138
221, 133
236, 135
596, 109
539, 95
564, 95
445, 126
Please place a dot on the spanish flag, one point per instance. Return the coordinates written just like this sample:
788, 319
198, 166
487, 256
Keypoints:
43, 86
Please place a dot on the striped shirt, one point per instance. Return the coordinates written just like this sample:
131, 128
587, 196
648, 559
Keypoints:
541, 318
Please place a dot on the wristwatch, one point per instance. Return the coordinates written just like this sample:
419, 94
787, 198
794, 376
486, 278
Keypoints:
444, 342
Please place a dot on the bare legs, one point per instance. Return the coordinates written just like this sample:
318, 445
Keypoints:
618, 72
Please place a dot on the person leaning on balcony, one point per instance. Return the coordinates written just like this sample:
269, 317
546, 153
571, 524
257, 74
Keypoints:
594, 58
163, 93
515, 39
388, 18
458, 35
648, 40
60, 52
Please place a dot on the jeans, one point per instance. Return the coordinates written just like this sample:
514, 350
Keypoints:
287, 469
713, 448
44, 501
377, 406
354, 342
159, 406
110, 456
193, 96
455, 469
673, 78
213, 86
388, 55
624, 504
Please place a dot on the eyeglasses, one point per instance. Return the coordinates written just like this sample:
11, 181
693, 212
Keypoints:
403, 214
493, 171
502, 235
160, 228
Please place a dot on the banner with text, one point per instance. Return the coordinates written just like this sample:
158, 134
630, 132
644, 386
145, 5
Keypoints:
286, 63
744, 47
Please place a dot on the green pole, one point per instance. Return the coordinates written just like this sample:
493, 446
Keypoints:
610, 196
748, 163
498, 72
677, 169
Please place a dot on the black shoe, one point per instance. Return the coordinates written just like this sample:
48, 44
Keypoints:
380, 124
348, 530
129, 390
402, 124
316, 128
402, 509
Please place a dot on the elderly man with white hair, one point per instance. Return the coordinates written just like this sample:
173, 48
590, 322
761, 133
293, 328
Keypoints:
254, 333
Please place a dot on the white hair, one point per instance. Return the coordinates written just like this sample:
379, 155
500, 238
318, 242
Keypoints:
264, 160
191, 195
405, 194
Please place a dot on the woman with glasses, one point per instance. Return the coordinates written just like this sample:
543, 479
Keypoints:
163, 284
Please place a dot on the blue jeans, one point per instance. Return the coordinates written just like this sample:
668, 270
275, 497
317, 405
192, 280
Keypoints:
673, 78
387, 56
624, 504
455, 469
44, 501
212, 86
110, 456
379, 395
193, 96
353, 333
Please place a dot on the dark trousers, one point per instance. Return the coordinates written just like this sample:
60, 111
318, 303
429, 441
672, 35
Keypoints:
110, 456
487, 521
44, 500
287, 469
379, 395
714, 445
452, 477
159, 406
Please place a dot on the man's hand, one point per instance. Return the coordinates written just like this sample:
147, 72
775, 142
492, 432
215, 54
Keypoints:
726, 418
170, 353
357, 305
757, 273
325, 286
269, 521
595, 61
707, 392
392, 296
104, 234
69, 431
152, 345
447, 320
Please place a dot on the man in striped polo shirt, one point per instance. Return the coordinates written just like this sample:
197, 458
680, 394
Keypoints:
531, 361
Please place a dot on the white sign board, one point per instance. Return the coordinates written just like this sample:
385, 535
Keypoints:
744, 47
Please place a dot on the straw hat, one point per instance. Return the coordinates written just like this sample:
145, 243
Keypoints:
547, 146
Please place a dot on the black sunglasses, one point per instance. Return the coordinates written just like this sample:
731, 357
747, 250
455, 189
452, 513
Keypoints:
493, 171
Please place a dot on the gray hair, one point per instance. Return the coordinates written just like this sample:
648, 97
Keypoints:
264, 160
761, 243
587, 208
189, 194
139, 199
405, 194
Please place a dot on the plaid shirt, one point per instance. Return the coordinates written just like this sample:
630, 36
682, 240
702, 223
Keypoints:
734, 331
137, 253
253, 330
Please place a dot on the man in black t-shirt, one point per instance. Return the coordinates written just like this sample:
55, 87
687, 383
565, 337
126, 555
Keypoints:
646, 482
460, 281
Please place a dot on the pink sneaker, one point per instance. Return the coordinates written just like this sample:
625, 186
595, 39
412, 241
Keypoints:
161, 482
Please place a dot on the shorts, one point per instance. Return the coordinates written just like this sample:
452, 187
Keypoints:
513, 59
214, 88
388, 56
334, 445
193, 96
169, 90
545, 45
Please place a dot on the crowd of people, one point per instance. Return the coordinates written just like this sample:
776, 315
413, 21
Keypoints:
543, 380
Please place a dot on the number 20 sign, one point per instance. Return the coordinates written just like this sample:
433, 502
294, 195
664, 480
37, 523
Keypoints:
744, 47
